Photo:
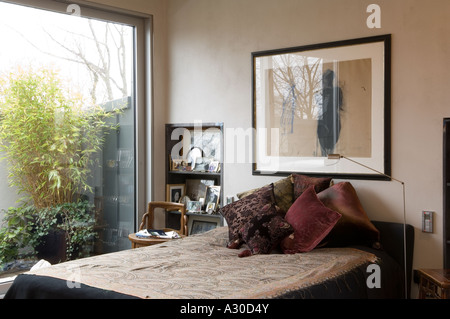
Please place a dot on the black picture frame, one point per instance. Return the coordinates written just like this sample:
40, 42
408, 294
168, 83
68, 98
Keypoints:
287, 139
198, 226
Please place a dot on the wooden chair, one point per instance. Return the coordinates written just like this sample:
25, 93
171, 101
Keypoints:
147, 223
147, 219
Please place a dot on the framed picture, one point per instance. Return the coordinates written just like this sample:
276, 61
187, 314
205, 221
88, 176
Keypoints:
174, 192
194, 206
196, 188
200, 224
210, 208
320, 99
212, 195
213, 166
177, 165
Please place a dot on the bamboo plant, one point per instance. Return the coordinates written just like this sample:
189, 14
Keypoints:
49, 137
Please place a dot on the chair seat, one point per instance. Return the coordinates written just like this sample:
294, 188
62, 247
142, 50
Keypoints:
147, 223
142, 242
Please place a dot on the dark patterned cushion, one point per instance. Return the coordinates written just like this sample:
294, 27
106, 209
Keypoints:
354, 227
264, 231
311, 222
283, 191
302, 182
239, 213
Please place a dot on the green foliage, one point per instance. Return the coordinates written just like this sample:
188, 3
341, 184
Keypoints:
27, 227
17, 232
75, 219
49, 137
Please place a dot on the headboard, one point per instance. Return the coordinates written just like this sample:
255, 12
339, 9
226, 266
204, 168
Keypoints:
391, 239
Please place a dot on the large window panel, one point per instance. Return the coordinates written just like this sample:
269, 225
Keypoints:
103, 55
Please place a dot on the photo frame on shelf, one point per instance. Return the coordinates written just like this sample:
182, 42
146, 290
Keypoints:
201, 224
212, 195
210, 207
177, 165
175, 192
196, 188
214, 166
194, 206
320, 99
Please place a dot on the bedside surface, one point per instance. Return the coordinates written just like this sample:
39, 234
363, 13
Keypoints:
440, 275
434, 283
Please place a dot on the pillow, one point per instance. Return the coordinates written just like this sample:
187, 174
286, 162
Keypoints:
264, 231
311, 221
283, 191
239, 213
354, 227
302, 182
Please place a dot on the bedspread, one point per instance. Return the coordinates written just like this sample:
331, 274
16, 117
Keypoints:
200, 266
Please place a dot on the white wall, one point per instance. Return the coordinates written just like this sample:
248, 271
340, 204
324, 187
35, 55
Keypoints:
209, 70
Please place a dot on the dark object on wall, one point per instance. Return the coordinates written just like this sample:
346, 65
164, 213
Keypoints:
329, 123
446, 190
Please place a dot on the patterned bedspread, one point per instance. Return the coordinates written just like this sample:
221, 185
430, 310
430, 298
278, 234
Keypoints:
200, 266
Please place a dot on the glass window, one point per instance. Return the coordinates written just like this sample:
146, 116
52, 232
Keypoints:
96, 57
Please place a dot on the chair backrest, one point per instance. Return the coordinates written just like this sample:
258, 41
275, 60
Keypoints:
147, 219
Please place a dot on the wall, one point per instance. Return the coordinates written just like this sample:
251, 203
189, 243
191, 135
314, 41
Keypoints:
209, 79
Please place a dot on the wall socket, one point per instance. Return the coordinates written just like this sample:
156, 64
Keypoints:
427, 221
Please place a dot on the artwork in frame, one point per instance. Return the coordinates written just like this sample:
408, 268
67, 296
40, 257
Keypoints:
200, 224
322, 99
212, 195
196, 188
194, 207
174, 192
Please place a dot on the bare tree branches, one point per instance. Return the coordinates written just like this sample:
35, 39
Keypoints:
102, 51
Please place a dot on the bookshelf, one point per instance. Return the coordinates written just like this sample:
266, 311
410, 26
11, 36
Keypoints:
194, 173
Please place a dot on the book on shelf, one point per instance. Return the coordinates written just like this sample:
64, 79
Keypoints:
157, 233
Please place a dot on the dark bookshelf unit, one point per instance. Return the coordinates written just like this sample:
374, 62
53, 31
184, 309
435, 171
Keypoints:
194, 164
446, 195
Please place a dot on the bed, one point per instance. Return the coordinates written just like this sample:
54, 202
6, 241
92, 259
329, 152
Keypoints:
207, 266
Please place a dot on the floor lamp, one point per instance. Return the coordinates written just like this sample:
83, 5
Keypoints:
338, 157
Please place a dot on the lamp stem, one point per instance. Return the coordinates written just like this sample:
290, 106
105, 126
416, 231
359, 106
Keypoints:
404, 241
372, 169
339, 156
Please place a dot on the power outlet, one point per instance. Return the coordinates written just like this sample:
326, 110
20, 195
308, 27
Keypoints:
427, 221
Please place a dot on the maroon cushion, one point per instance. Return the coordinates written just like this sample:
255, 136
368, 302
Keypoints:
302, 183
354, 227
264, 231
311, 221
239, 213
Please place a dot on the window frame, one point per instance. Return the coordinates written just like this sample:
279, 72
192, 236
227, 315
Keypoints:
142, 81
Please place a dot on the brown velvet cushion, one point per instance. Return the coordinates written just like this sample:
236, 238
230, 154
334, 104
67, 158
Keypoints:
264, 231
354, 227
302, 182
283, 191
239, 213
311, 221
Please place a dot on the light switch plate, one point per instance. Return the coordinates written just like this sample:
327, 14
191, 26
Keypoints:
427, 221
